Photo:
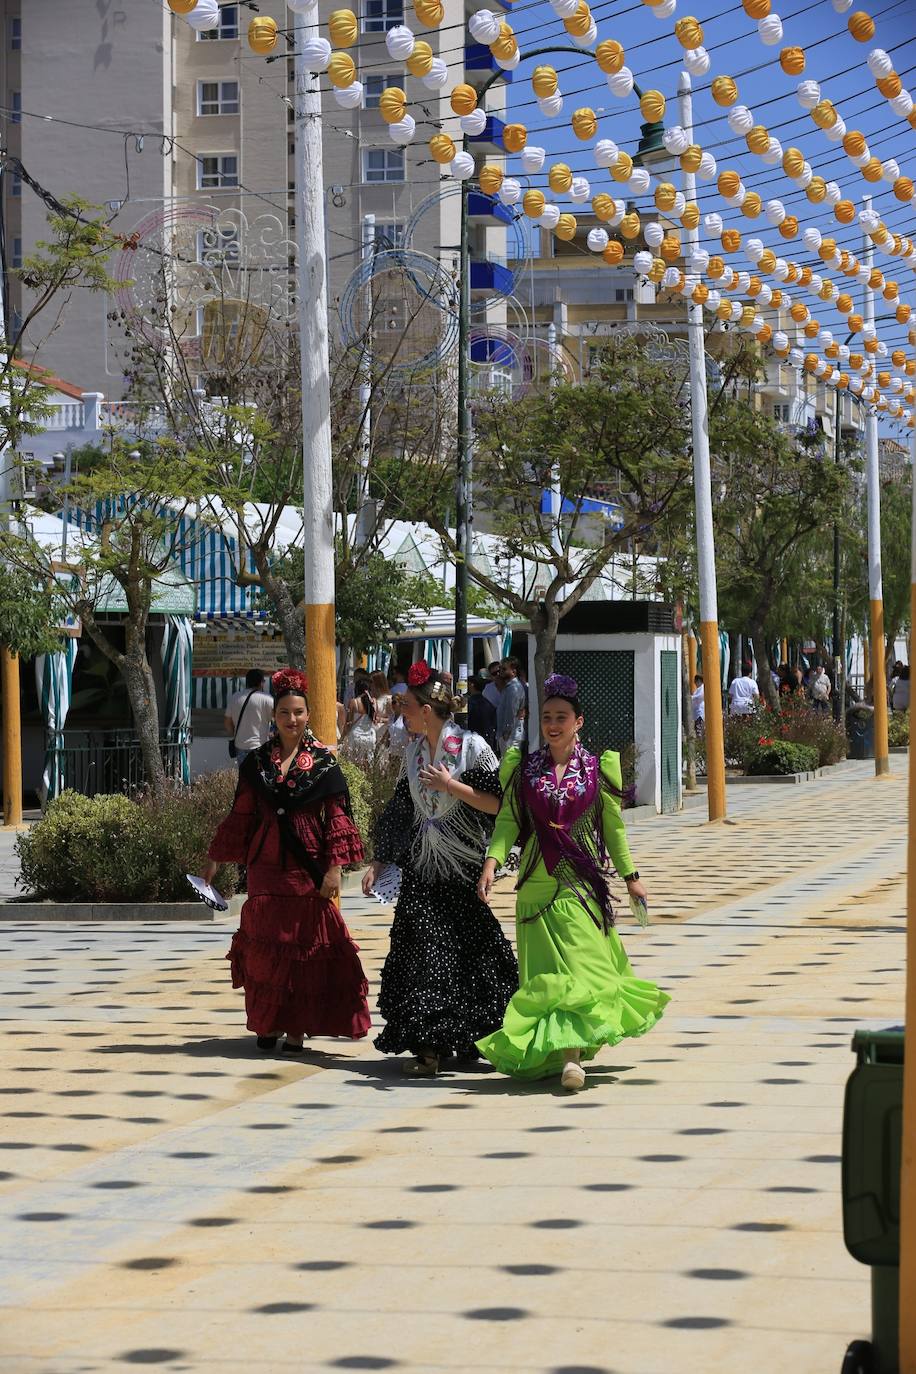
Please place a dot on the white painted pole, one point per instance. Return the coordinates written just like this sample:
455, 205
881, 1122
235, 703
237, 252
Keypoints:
706, 557
875, 590
908, 1170
317, 494
556, 497
365, 392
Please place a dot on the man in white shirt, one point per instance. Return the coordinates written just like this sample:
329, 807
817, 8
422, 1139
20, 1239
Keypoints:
249, 715
743, 694
698, 705
820, 688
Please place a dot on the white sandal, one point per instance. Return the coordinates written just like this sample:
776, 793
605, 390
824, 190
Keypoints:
573, 1076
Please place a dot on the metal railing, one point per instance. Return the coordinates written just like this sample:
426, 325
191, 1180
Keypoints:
99, 761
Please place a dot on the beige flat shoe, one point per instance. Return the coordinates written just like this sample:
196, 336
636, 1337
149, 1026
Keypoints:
421, 1068
573, 1077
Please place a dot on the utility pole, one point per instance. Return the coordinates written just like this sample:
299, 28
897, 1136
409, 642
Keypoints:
908, 1162
875, 591
317, 490
9, 662
365, 391
706, 558
839, 657
463, 503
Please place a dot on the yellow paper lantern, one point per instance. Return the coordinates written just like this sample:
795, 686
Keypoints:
776, 299
754, 286
824, 114
700, 293
420, 61
724, 91
842, 382
902, 313
652, 106
891, 290
758, 139
724, 312
767, 261
728, 183
584, 124
566, 227
861, 26
890, 86
793, 162
622, 169
689, 32
610, 55
832, 351
629, 225
691, 216
764, 334
182, 6
812, 329
756, 9
341, 70
515, 136
748, 315
392, 104
262, 34
898, 357
804, 276
715, 268
665, 193
827, 291
443, 150
752, 205
429, 12
799, 311
903, 188
793, 272
533, 203
871, 345
855, 324
844, 302
491, 178
876, 279
845, 211
884, 380
463, 99
811, 362
506, 46
580, 22
603, 206
657, 270
544, 82
613, 253
691, 158
343, 28
854, 143
816, 190
792, 61
872, 170
559, 178
670, 248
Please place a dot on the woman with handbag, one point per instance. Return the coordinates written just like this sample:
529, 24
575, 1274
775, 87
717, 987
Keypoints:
450, 970
292, 826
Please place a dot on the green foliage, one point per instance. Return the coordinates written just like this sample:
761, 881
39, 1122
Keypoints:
360, 798
781, 757
113, 848
374, 783
29, 614
898, 729
794, 722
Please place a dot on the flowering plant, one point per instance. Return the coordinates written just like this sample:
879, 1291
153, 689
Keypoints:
418, 673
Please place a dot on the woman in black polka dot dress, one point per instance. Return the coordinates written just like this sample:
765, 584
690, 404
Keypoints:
450, 970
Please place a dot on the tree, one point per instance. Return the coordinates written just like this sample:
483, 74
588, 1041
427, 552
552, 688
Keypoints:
31, 613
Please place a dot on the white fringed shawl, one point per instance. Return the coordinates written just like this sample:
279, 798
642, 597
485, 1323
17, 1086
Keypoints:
448, 842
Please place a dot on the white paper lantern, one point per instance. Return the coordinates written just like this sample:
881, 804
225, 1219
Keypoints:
781, 270
672, 277
665, 9
680, 204
564, 9
316, 53
826, 337
691, 282
349, 97
676, 140
437, 78
890, 170
765, 295
770, 30
713, 225
699, 261
856, 385
302, 6
462, 166
606, 152
728, 278
844, 353
740, 119
743, 281
902, 104
775, 212
403, 131
484, 26
620, 209
804, 177
550, 217
837, 132
551, 105
581, 190
508, 64
869, 220
816, 282
796, 357
586, 40
879, 63
759, 326
597, 240
862, 159
753, 249
639, 182
510, 193
737, 309
621, 83
809, 93
834, 195
713, 301
707, 168
532, 158
738, 199
474, 123
882, 349
868, 393
642, 262
400, 42
862, 275
780, 341
841, 6
653, 234
204, 16
812, 238
773, 155
896, 384
697, 62
822, 366
834, 376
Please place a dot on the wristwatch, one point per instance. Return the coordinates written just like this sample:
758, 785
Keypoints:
631, 877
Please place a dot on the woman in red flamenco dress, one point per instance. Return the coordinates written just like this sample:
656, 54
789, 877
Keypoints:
291, 825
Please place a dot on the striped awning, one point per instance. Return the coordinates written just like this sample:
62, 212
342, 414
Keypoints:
439, 623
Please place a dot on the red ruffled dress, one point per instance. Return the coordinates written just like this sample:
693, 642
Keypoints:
293, 953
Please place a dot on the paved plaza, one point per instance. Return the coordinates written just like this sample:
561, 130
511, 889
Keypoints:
172, 1200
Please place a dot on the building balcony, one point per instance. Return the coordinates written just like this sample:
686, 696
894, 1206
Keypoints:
492, 276
491, 134
478, 58
481, 206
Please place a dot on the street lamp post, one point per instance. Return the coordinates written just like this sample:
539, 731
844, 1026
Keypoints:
908, 1169
875, 592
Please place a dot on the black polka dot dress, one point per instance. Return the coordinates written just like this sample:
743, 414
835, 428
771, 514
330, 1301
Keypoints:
450, 971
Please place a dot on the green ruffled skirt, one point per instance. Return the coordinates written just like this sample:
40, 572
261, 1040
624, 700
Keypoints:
577, 989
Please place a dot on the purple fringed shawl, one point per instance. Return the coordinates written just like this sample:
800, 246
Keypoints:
551, 810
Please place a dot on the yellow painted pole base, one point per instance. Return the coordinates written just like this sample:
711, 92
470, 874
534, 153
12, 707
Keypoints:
908, 1170
879, 688
321, 667
12, 741
715, 735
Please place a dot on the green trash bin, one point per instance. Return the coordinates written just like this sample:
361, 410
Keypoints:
872, 1147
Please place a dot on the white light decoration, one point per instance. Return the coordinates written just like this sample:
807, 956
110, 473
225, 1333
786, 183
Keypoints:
551, 105
316, 53
474, 123
484, 26
403, 131
204, 16
642, 262
809, 93
773, 155
775, 212
676, 140
653, 234
462, 166
586, 40
620, 209
508, 64
550, 217
796, 357
765, 294
879, 63
712, 223
349, 97
707, 168
737, 309
606, 152
833, 195
302, 6
699, 261
564, 9
890, 170
862, 276
743, 282
780, 341
400, 42
639, 182
770, 30
437, 76
665, 9
804, 179
597, 240
532, 158
781, 270
837, 132
510, 193
844, 353
672, 277
812, 239
740, 119
816, 282
738, 199
580, 191
902, 104
862, 159
621, 83
713, 301
697, 61
754, 249
842, 6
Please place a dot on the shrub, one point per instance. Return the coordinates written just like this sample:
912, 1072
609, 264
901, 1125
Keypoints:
898, 729
781, 757
374, 783
794, 722
360, 798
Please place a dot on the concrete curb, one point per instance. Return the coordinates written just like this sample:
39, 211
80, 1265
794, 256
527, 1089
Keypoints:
106, 911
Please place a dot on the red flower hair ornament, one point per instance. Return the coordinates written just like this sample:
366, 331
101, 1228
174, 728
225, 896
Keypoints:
419, 673
289, 680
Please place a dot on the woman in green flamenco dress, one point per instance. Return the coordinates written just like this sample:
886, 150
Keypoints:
577, 991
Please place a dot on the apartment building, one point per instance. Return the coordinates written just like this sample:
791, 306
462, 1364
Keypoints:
188, 140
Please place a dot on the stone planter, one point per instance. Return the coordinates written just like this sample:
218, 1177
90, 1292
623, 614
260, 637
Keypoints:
15, 912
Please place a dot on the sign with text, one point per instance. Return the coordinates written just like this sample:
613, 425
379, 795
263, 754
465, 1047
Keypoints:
233, 653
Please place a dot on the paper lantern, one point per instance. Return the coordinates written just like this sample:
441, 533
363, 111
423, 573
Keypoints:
731, 240
740, 120
665, 192
613, 254
551, 105
566, 227
689, 32
808, 93
485, 27
724, 91
588, 39
584, 124
533, 202
793, 162
656, 271
824, 114
544, 81
691, 216
564, 9
898, 357
597, 240
811, 329
464, 99
816, 190
861, 26
629, 225
182, 6
301, 6
837, 131
316, 53
775, 212
715, 269
642, 262
622, 169
756, 9
606, 152
770, 30
621, 83
752, 206
792, 61
653, 234
473, 124
767, 260
580, 22
691, 157
392, 104
429, 12
402, 130
443, 150
889, 85
532, 158
400, 42
515, 137
773, 155
603, 206
780, 341
713, 224
420, 61
763, 332
844, 303
903, 104
854, 144
262, 34
491, 178
341, 70
610, 56
505, 49
699, 261
890, 170
903, 188
872, 170
697, 61
510, 192
758, 139
652, 106
738, 199
728, 183
670, 247
351, 97
707, 168
343, 28
639, 182
204, 16
463, 166
559, 178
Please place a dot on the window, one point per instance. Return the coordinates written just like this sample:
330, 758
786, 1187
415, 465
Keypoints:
228, 26
218, 246
217, 97
15, 34
15, 107
781, 414
374, 85
622, 294
217, 169
383, 164
379, 15
388, 234
17, 253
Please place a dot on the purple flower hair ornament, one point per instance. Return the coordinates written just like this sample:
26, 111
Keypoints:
559, 685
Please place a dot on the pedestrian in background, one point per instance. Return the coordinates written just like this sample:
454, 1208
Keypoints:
248, 718
743, 694
481, 712
820, 689
493, 689
510, 713
900, 696
698, 705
